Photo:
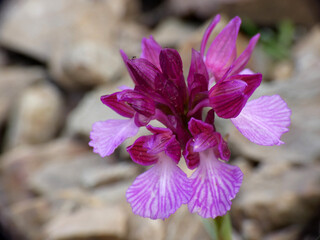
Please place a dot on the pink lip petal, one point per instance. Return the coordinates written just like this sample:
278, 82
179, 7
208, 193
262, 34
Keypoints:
160, 191
214, 185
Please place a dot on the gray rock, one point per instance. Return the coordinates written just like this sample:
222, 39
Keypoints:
288, 233
113, 193
29, 216
85, 63
251, 230
270, 194
90, 109
176, 226
108, 174
61, 175
37, 116
109, 222
13, 80
76, 19
145, 229
173, 32
19, 165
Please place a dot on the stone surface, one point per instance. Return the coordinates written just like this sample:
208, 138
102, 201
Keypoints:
19, 165
108, 174
289, 233
273, 190
85, 63
172, 32
61, 175
37, 116
13, 81
251, 230
184, 225
82, 18
89, 223
29, 217
113, 193
90, 109
145, 229
307, 51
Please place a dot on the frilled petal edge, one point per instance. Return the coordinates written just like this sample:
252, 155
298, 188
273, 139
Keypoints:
160, 191
264, 120
214, 185
106, 136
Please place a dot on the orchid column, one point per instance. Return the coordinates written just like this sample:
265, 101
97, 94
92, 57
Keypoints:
217, 80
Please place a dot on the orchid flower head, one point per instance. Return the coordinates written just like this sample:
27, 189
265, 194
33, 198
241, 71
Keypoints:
217, 85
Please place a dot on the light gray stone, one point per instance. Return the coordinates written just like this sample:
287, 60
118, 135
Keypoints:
61, 175
108, 174
37, 117
270, 194
90, 109
109, 222
13, 80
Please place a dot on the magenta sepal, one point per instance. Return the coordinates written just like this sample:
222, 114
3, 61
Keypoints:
214, 184
207, 34
264, 120
120, 107
139, 101
198, 78
143, 72
171, 65
151, 51
240, 63
229, 96
160, 191
222, 51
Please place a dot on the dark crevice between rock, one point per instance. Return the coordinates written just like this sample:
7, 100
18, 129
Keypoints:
7, 232
311, 230
15, 58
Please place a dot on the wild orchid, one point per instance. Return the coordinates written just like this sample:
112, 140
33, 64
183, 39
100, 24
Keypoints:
217, 79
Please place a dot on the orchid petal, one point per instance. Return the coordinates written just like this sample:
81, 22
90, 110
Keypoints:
214, 184
151, 51
139, 101
227, 98
120, 107
143, 72
252, 80
106, 136
222, 51
198, 78
146, 149
192, 158
160, 191
196, 127
264, 120
244, 58
208, 33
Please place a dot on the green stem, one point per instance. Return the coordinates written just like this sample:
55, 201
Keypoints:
219, 228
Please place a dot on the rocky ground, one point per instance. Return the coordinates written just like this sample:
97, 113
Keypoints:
58, 57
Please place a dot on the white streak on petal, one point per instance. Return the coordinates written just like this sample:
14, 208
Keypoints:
264, 120
160, 191
106, 136
215, 184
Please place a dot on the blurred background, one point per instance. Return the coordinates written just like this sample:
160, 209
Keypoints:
58, 57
